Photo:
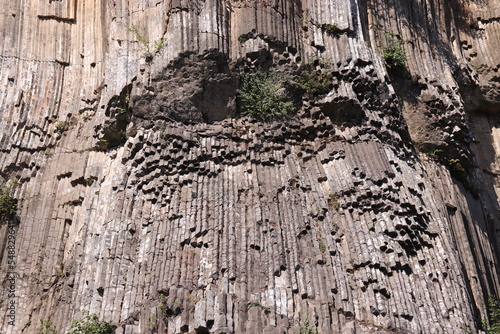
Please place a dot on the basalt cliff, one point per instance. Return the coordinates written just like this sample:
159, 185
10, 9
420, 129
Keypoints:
145, 197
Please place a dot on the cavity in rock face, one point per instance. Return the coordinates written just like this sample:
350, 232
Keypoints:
190, 89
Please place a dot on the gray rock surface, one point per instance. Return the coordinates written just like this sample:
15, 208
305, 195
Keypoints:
146, 199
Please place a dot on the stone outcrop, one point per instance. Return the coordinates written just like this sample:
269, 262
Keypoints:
145, 198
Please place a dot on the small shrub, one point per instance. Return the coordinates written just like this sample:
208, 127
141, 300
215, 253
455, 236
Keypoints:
394, 54
48, 152
494, 311
152, 323
90, 324
333, 201
62, 126
8, 204
158, 45
263, 96
322, 247
103, 144
315, 78
243, 38
112, 141
331, 29
305, 328
47, 327
436, 154
149, 50
454, 166
139, 37
161, 304
121, 110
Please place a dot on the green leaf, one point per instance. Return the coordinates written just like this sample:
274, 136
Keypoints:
263, 96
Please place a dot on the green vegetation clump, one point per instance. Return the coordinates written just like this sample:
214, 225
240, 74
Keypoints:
243, 38
305, 328
112, 141
333, 201
494, 311
8, 204
453, 165
47, 327
149, 50
62, 126
263, 96
394, 54
315, 78
138, 35
158, 45
90, 324
322, 246
456, 169
331, 29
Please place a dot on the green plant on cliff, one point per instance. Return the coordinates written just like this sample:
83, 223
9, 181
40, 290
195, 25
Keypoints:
90, 324
8, 204
305, 328
62, 126
263, 95
47, 327
394, 54
149, 49
331, 29
454, 166
494, 312
333, 201
315, 77
244, 37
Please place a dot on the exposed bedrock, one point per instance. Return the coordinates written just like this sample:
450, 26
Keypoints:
144, 196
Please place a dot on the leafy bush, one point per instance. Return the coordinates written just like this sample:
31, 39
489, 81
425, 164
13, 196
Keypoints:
90, 324
394, 54
149, 50
158, 45
454, 165
315, 78
331, 29
47, 327
494, 310
8, 204
305, 328
263, 96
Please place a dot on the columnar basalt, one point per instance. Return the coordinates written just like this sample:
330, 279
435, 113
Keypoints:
144, 197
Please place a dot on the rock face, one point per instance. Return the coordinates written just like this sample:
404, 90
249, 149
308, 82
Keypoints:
145, 198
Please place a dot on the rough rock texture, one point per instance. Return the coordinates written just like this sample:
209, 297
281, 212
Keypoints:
144, 198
